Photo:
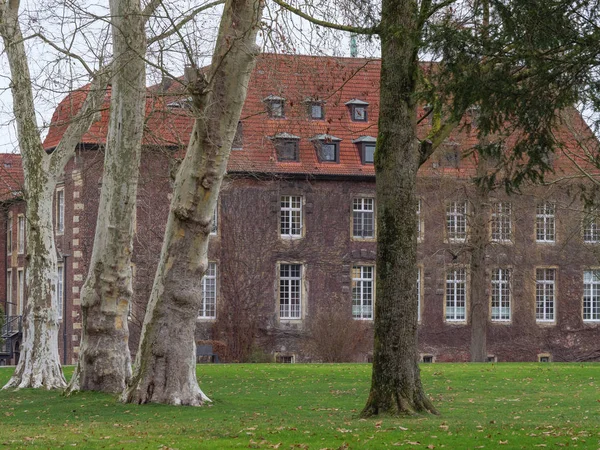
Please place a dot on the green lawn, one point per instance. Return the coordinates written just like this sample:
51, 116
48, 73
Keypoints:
316, 406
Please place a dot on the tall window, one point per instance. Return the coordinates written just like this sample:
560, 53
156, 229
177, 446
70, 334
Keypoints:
60, 291
418, 294
362, 292
591, 295
456, 221
291, 216
545, 222
419, 220
363, 218
591, 226
9, 234
290, 291
9, 293
20, 290
501, 222
21, 233
208, 307
456, 295
60, 210
214, 226
545, 288
500, 295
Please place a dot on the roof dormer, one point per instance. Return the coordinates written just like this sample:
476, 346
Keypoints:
366, 148
287, 147
275, 106
358, 110
327, 147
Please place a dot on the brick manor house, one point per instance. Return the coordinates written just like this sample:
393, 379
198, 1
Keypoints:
292, 253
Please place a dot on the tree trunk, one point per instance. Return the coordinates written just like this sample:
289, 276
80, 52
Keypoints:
396, 385
165, 369
104, 362
39, 364
478, 243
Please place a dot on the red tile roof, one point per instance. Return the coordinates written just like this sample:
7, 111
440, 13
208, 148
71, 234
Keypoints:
11, 176
334, 81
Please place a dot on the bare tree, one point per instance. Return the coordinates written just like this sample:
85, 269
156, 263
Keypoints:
165, 369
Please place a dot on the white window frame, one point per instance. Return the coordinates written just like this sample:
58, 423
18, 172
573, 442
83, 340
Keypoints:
208, 304
21, 234
20, 290
290, 296
456, 221
214, 228
291, 216
60, 270
501, 223
501, 301
455, 300
363, 291
419, 292
420, 224
9, 234
360, 217
591, 295
60, 210
9, 293
545, 222
545, 294
591, 226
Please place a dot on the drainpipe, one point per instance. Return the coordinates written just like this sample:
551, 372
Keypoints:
64, 300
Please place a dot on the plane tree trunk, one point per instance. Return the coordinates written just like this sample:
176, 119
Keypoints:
39, 364
165, 367
104, 362
396, 385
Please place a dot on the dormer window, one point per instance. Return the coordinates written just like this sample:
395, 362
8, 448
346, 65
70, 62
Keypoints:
358, 110
316, 109
327, 147
275, 106
185, 103
287, 148
366, 148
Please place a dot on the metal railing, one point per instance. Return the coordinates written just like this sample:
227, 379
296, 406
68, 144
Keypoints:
12, 325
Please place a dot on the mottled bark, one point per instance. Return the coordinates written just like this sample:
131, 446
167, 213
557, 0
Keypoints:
396, 385
478, 241
39, 364
165, 368
104, 361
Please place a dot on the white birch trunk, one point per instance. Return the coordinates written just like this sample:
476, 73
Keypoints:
39, 365
104, 361
165, 369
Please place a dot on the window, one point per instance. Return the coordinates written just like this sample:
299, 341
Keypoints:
238, 139
591, 226
358, 110
456, 295
501, 222
60, 210
500, 295
285, 359
60, 290
418, 294
327, 147
363, 218
208, 305
544, 357
275, 106
545, 288
286, 145
291, 216
290, 291
362, 292
591, 295
456, 221
366, 148
21, 233
214, 226
9, 293
545, 222
451, 156
419, 221
20, 290
427, 359
316, 110
9, 233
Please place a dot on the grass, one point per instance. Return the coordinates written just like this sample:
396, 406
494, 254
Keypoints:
316, 406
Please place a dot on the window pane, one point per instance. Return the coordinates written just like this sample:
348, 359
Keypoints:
369, 153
